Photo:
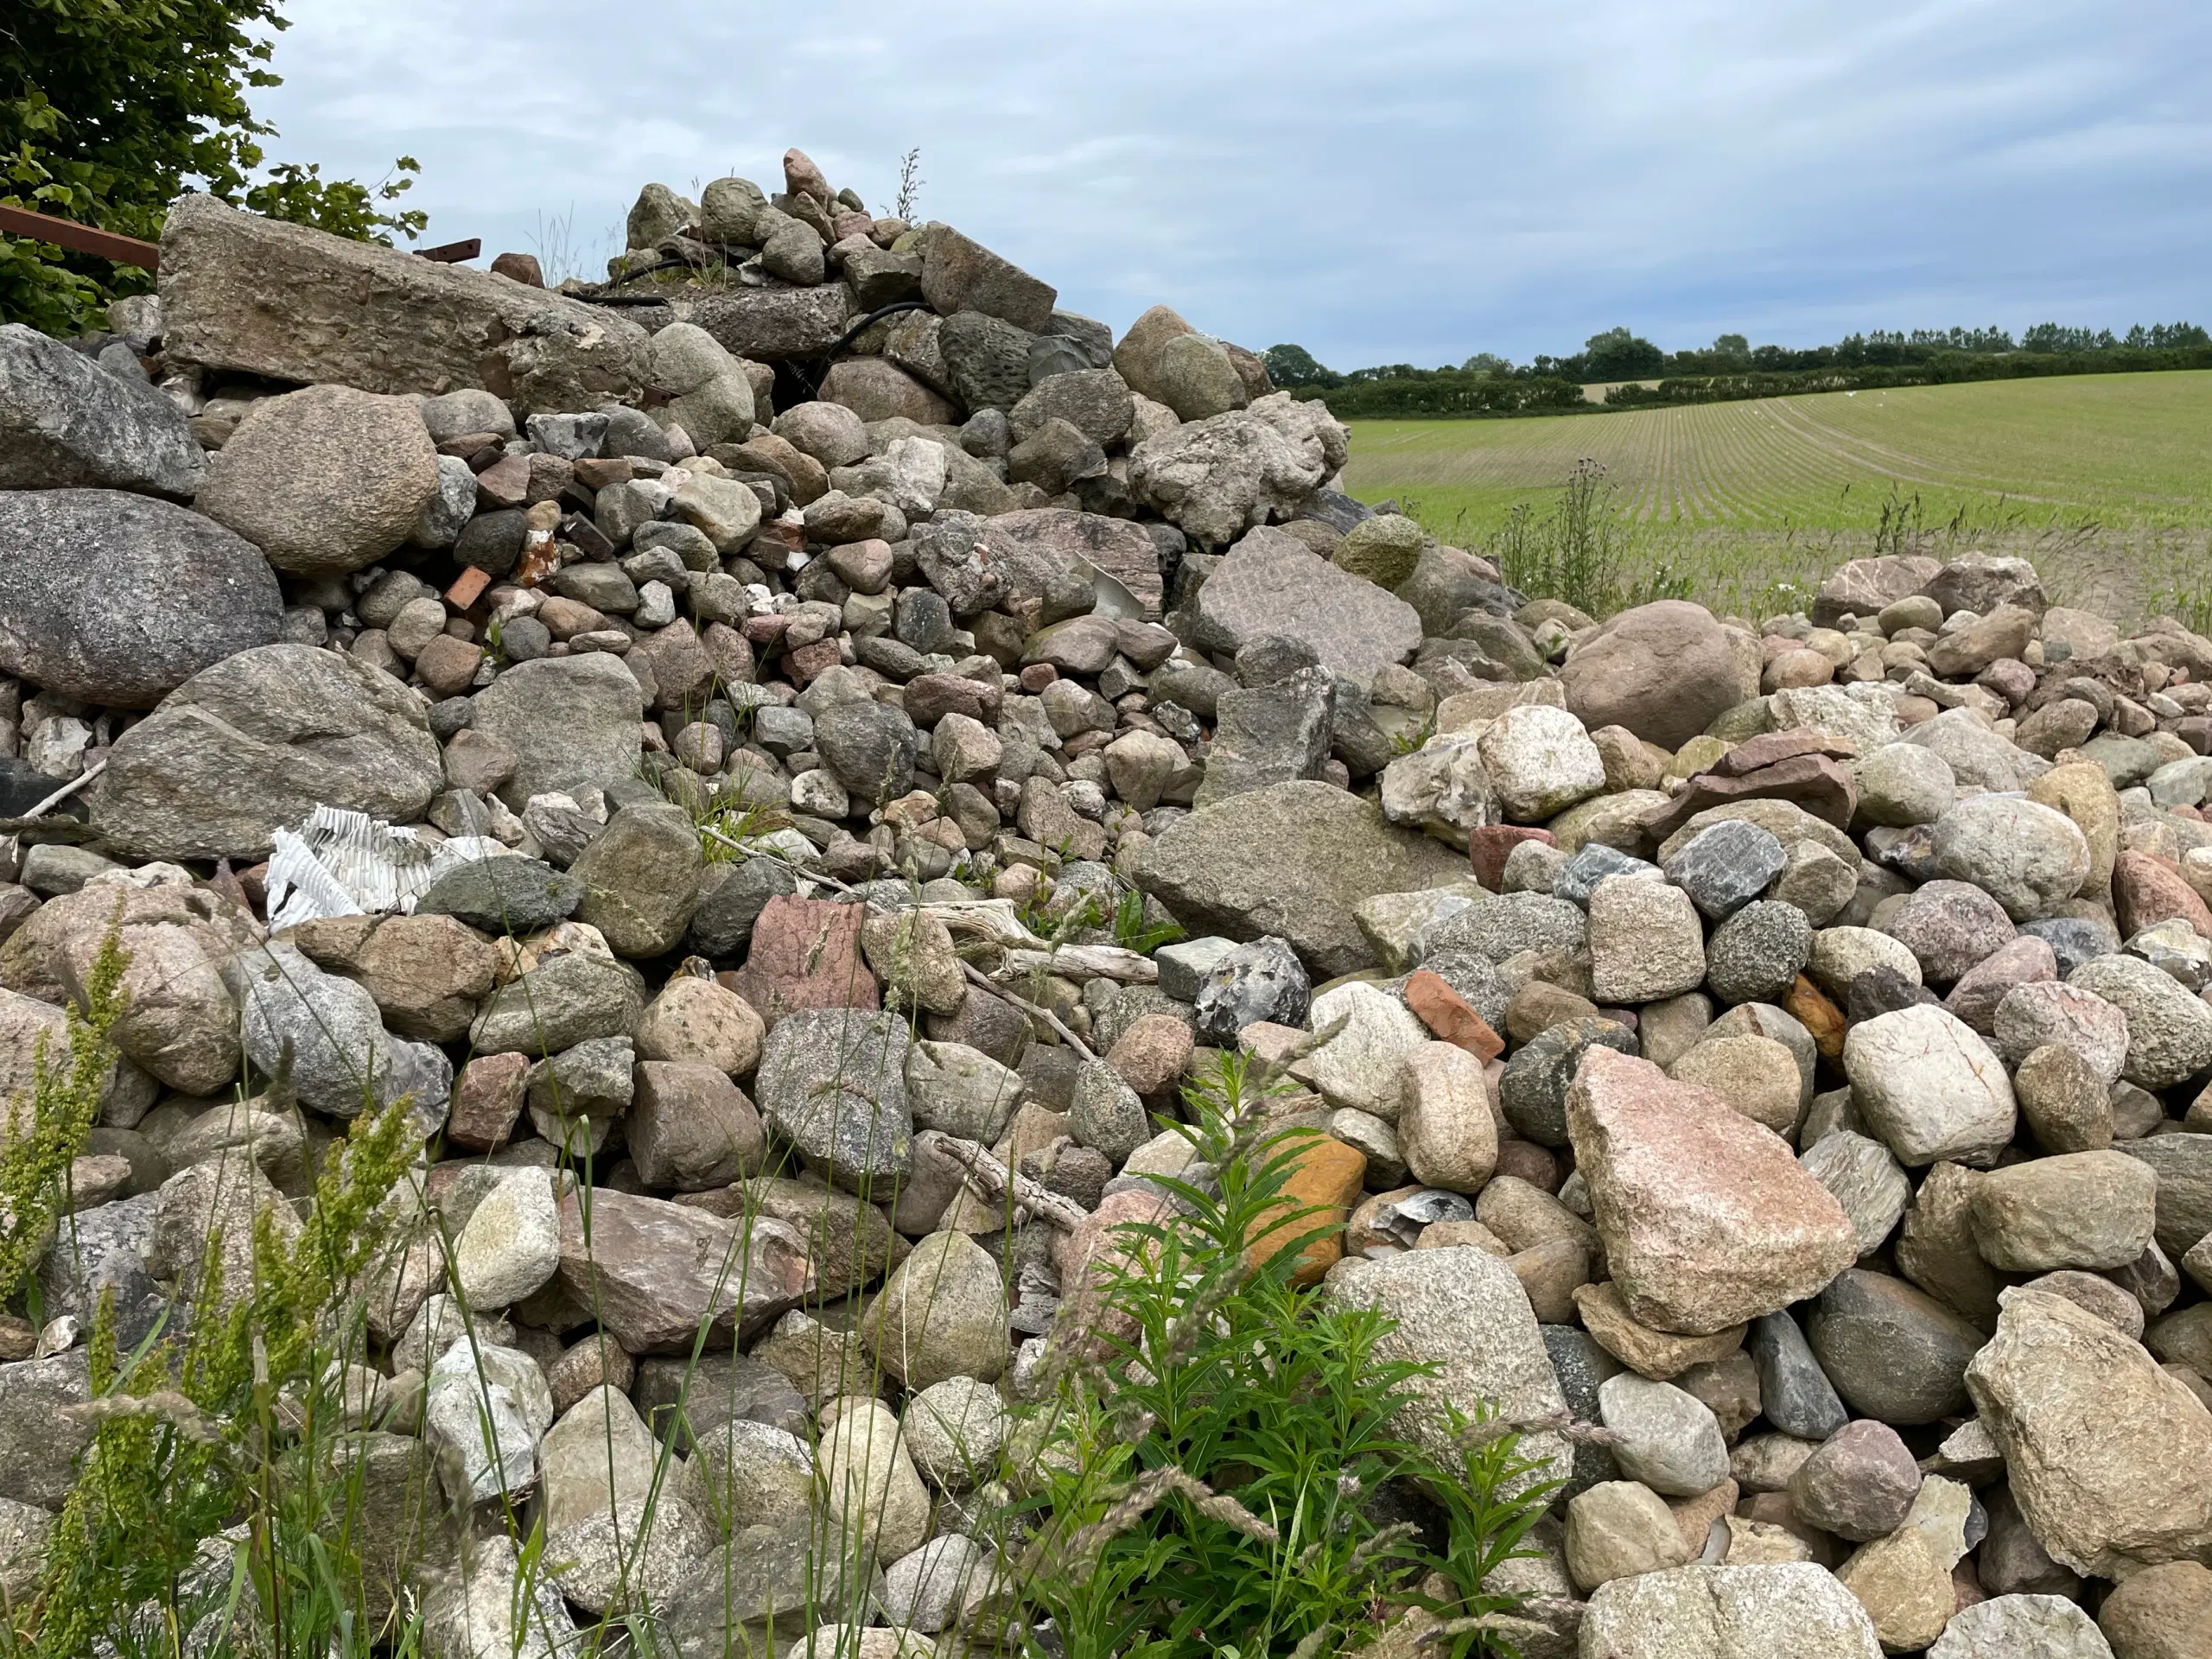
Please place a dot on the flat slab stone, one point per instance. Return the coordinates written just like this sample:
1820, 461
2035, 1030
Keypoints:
767, 323
353, 313
1270, 582
1295, 860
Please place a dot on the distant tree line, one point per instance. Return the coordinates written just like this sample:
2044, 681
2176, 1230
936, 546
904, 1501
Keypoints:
1732, 367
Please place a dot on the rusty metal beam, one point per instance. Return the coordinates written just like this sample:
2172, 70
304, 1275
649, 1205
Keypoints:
452, 253
80, 238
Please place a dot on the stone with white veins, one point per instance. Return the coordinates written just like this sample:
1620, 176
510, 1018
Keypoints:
1929, 1087
1540, 761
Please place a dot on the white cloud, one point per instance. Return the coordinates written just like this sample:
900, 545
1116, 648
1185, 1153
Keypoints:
1389, 181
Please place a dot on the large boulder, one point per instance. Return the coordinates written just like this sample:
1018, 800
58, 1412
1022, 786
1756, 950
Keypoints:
1707, 1220
118, 599
2105, 1452
961, 275
1219, 477
1270, 583
362, 315
67, 423
1665, 670
324, 480
256, 743
572, 722
1294, 860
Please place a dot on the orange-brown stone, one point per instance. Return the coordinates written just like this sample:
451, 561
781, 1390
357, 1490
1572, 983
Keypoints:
1324, 1182
1449, 1017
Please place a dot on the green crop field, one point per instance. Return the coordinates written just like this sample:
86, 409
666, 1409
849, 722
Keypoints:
2106, 481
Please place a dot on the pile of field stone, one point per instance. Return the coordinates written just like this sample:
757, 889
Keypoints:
811, 671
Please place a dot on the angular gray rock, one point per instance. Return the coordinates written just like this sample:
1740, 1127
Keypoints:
1294, 860
832, 1083
38, 1445
1464, 1311
657, 1272
1262, 980
343, 1061
1271, 583
1268, 734
1216, 478
572, 722
118, 599
256, 743
67, 423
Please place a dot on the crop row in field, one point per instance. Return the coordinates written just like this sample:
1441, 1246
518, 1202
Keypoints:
2106, 482
2111, 450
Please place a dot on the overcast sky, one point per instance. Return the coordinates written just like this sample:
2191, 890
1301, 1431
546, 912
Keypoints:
1380, 181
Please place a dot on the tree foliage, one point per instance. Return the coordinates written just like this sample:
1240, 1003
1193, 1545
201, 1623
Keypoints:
1293, 366
110, 108
1617, 354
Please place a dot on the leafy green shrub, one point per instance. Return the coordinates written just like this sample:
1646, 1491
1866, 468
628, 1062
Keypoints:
108, 108
1221, 1471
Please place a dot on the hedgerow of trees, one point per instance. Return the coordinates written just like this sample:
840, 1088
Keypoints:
1732, 367
110, 108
